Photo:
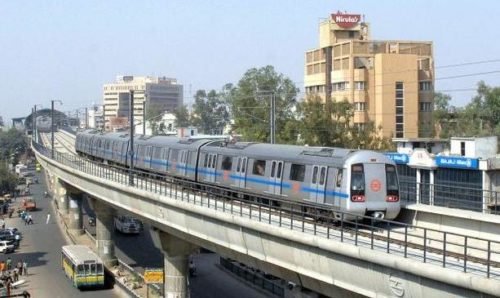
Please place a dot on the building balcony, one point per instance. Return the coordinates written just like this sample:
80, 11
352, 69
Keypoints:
359, 96
359, 75
360, 117
426, 96
425, 75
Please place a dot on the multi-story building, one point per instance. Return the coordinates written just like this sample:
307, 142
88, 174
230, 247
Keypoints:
95, 117
159, 93
390, 83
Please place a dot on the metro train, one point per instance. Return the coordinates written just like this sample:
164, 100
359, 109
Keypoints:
359, 182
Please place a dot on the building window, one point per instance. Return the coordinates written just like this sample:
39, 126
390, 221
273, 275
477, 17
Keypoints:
359, 85
340, 86
360, 126
360, 106
425, 107
399, 96
425, 86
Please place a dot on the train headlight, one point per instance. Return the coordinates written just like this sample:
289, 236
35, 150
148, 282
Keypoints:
392, 199
358, 198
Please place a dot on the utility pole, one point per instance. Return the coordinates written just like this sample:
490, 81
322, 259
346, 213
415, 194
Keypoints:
144, 116
273, 118
33, 124
52, 129
86, 118
131, 133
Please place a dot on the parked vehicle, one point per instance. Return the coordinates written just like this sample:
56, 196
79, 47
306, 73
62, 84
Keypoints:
128, 225
5, 247
28, 204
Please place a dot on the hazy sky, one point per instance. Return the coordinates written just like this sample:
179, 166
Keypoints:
66, 50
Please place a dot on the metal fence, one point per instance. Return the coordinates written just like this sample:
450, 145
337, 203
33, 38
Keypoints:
451, 196
254, 278
450, 250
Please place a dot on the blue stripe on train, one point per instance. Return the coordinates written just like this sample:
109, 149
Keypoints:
285, 185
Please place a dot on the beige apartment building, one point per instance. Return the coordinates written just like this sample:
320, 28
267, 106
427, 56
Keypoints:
160, 93
390, 82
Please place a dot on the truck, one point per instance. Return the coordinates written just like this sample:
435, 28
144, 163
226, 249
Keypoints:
27, 204
128, 225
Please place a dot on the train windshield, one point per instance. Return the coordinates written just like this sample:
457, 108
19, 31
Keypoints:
391, 179
357, 179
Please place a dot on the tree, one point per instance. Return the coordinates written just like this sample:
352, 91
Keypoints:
250, 103
330, 124
154, 115
182, 117
210, 113
442, 114
12, 143
485, 108
8, 181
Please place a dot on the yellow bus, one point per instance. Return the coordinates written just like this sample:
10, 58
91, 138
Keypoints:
83, 267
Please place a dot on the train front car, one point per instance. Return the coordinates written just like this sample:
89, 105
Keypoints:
372, 185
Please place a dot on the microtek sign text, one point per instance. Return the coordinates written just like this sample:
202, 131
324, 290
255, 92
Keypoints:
346, 20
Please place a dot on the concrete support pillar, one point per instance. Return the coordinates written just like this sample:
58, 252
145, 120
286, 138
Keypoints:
104, 228
487, 194
418, 186
431, 187
176, 253
75, 219
60, 196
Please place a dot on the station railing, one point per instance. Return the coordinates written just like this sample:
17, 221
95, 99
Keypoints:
451, 196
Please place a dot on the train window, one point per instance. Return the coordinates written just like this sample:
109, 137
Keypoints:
174, 154
227, 163
322, 176
273, 168
243, 165
315, 175
205, 162
339, 178
214, 157
280, 165
259, 167
297, 172
391, 178
357, 177
239, 165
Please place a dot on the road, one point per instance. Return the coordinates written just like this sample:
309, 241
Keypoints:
41, 248
211, 281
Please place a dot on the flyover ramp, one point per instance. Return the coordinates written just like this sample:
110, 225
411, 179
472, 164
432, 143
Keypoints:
291, 250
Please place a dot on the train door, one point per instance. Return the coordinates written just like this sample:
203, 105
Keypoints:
182, 164
374, 183
148, 156
276, 177
318, 184
337, 200
209, 165
164, 159
241, 169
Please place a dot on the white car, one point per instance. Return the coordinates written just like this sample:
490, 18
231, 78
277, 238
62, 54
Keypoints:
5, 247
128, 225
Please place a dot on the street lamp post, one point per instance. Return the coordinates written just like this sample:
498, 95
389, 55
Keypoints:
52, 127
33, 124
131, 127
